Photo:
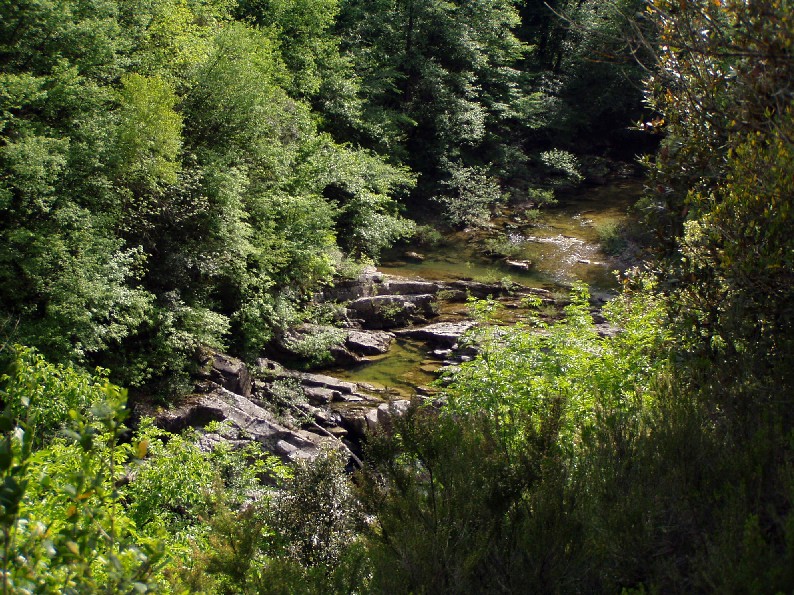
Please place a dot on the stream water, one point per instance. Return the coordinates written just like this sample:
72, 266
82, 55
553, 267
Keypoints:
561, 246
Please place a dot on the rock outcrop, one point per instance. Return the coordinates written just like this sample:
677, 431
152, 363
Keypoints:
391, 311
247, 422
229, 372
369, 342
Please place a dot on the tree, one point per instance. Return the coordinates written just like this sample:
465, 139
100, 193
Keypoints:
437, 78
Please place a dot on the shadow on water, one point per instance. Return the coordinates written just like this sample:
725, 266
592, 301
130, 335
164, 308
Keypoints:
406, 366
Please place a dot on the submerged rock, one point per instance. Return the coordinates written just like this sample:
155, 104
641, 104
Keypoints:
521, 265
480, 290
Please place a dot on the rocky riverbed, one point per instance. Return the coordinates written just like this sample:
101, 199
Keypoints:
393, 332
294, 413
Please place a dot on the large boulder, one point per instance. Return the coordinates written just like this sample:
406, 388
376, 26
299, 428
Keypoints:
369, 342
344, 290
406, 286
336, 386
382, 417
391, 311
231, 373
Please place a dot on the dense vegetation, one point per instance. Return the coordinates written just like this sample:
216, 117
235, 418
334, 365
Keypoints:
180, 173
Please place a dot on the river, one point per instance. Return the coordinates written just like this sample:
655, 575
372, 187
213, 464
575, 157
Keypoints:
560, 244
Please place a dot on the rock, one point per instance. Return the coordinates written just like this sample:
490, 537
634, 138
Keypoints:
389, 311
231, 373
338, 432
342, 356
354, 420
415, 256
317, 395
329, 382
369, 342
454, 295
403, 286
445, 334
606, 329
210, 441
249, 421
521, 265
426, 391
323, 417
350, 398
383, 416
271, 367
344, 290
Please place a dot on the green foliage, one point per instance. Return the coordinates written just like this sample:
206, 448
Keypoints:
529, 414
44, 396
315, 516
439, 82
529, 383
149, 134
473, 195
165, 182
439, 525
611, 237
562, 164
66, 531
314, 347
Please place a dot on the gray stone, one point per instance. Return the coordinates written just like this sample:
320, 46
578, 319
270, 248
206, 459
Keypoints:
354, 421
249, 421
383, 416
231, 373
441, 333
389, 311
317, 395
521, 265
402, 286
350, 289
369, 342
329, 382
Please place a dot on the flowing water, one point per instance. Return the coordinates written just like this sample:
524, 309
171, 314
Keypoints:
561, 246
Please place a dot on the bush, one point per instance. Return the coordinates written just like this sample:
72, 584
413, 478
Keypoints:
610, 236
473, 193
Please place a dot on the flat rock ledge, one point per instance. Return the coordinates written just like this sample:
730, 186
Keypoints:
445, 334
